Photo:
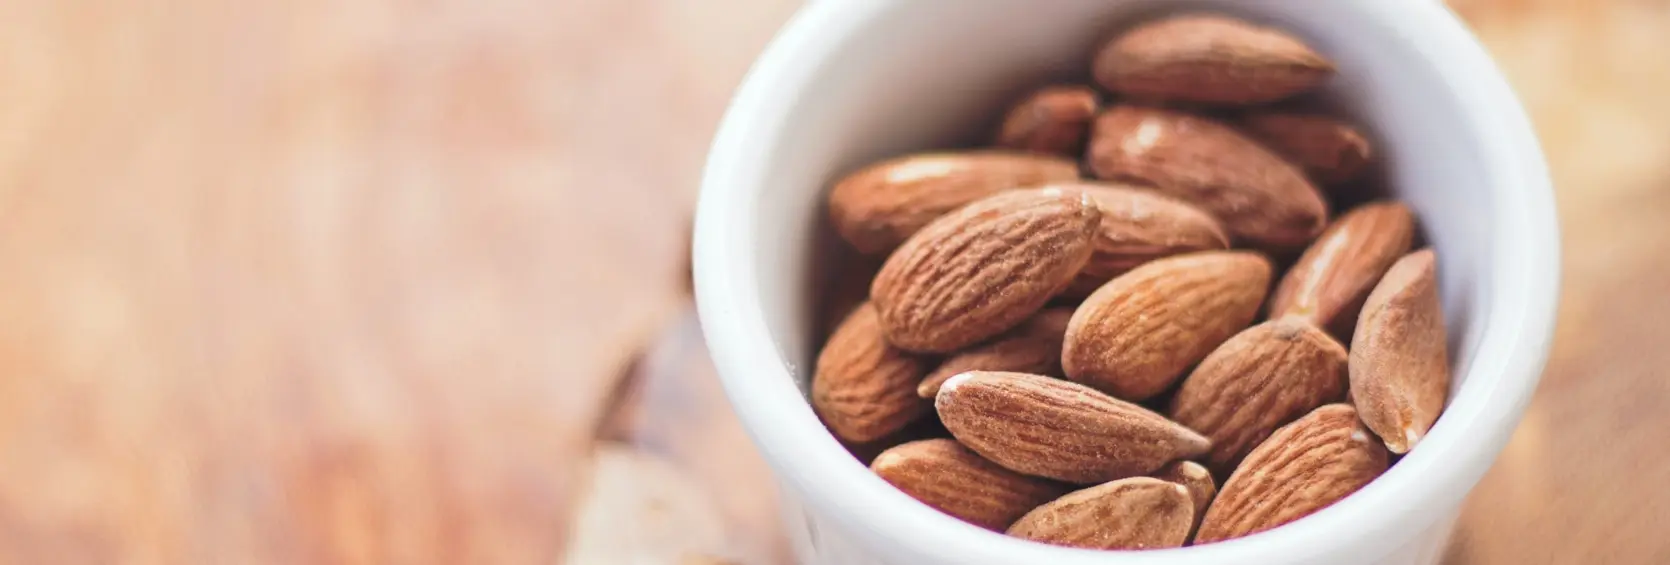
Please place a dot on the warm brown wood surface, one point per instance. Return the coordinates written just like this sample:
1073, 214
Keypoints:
351, 282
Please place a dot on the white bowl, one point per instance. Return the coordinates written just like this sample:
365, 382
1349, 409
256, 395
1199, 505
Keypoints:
847, 83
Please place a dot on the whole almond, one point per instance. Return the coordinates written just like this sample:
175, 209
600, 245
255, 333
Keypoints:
1134, 337
1400, 366
948, 477
1034, 347
1060, 430
984, 268
863, 387
878, 207
1258, 196
1054, 119
1197, 479
1329, 149
1209, 59
1304, 467
1140, 225
1259, 380
1134, 513
1329, 283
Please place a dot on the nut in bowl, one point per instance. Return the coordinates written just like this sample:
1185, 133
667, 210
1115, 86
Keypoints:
1126, 262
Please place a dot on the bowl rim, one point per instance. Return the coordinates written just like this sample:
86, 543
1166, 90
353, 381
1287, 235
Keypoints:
1517, 326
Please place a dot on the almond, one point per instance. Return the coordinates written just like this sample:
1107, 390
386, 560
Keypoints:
1060, 430
1262, 378
1138, 226
1258, 196
847, 287
1400, 366
1137, 334
1054, 119
878, 207
1209, 59
1330, 281
1329, 149
1034, 347
943, 474
865, 388
1197, 479
984, 268
1304, 467
1134, 513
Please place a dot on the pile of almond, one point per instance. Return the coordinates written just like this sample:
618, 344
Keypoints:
1108, 342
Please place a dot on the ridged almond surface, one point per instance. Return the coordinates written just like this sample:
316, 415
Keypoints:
984, 268
1140, 225
878, 207
1060, 430
1329, 149
1134, 513
1260, 197
1332, 279
1259, 380
1209, 59
1400, 365
1134, 337
864, 388
1034, 347
1304, 467
947, 476
1052, 120
1197, 479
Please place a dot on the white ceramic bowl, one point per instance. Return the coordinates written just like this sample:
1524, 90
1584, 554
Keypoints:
850, 82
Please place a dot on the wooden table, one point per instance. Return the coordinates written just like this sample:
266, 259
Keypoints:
358, 282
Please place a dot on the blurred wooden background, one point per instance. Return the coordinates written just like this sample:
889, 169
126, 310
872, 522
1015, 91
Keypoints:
357, 282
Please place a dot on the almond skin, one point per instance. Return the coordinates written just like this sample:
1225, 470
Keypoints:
1260, 198
1052, 120
1134, 337
1134, 513
1332, 279
1329, 149
948, 477
878, 207
1197, 479
1034, 347
1140, 225
1400, 366
984, 268
1051, 428
863, 387
1304, 467
1209, 59
1259, 380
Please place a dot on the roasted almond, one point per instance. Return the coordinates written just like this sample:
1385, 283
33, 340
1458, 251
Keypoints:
878, 207
1330, 281
1134, 513
1400, 365
865, 388
1304, 467
1134, 337
1262, 378
1329, 149
1140, 225
1259, 197
1060, 430
1034, 347
984, 268
948, 477
1197, 479
1054, 119
1209, 59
